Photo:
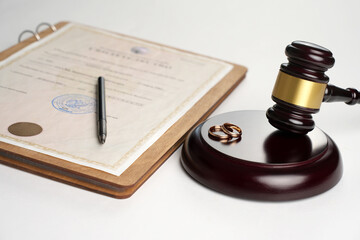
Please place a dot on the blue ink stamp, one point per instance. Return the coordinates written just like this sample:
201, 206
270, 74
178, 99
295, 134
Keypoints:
74, 104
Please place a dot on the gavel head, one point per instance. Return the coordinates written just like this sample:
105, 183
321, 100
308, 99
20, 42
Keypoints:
300, 87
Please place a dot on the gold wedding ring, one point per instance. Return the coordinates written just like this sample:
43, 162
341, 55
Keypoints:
218, 137
230, 130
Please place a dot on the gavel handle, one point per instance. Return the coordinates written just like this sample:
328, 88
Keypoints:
350, 96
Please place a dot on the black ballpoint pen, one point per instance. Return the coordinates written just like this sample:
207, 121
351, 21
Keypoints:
101, 110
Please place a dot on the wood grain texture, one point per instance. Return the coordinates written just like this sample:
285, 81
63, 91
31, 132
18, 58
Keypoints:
131, 179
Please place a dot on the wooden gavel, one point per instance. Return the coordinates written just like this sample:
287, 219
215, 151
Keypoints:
301, 87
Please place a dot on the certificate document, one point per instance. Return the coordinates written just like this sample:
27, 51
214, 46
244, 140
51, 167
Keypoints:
48, 95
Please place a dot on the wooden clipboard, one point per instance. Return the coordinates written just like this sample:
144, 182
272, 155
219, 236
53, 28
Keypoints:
133, 177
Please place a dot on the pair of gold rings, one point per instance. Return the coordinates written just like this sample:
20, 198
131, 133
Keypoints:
231, 131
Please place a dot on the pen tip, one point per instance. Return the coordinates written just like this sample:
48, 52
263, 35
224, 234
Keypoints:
102, 138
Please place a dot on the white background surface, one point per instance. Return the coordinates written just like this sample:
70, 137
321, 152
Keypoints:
170, 205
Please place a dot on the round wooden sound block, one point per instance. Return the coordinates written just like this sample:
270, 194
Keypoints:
265, 164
